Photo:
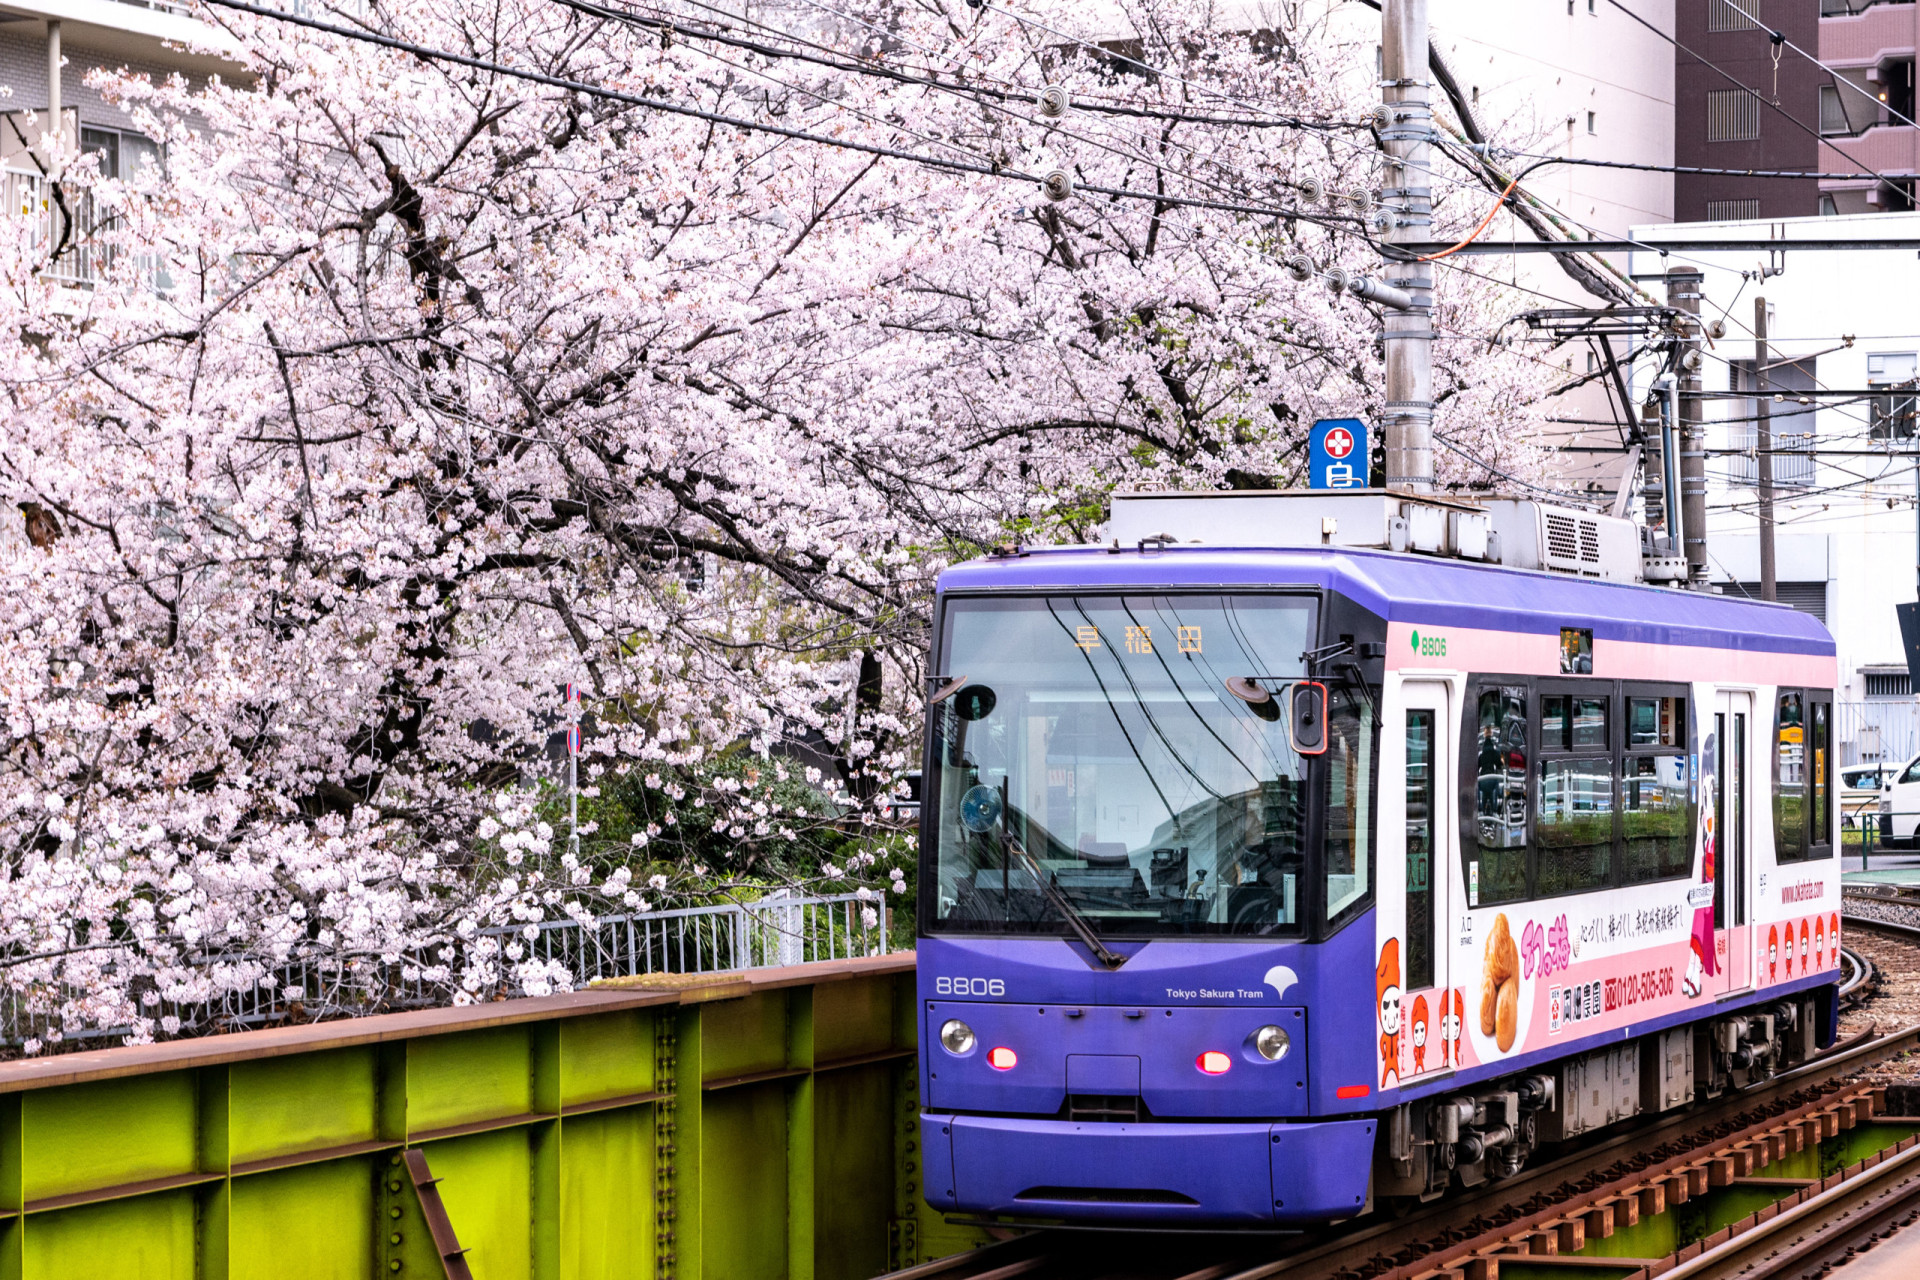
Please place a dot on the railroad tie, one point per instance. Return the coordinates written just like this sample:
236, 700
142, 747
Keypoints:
1483, 1267
1679, 1187
1720, 1171
1573, 1234
1599, 1222
1544, 1243
1626, 1211
1699, 1179
1653, 1200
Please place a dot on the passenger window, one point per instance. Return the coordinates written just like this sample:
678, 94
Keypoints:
1569, 723
1575, 832
1789, 786
1497, 861
1655, 722
1654, 811
1350, 777
1419, 849
1820, 774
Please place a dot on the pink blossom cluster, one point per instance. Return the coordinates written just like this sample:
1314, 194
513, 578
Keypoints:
412, 392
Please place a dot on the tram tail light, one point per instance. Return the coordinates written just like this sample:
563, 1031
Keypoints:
1002, 1059
1213, 1062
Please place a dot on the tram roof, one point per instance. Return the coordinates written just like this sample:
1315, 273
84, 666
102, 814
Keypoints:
1426, 590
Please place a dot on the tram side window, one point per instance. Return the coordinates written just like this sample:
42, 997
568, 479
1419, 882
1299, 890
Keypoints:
1575, 798
1497, 855
1653, 783
1789, 777
1819, 765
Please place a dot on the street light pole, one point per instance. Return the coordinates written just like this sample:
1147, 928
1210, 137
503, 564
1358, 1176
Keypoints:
1407, 426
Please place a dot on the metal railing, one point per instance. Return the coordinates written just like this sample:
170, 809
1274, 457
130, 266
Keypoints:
496, 963
73, 224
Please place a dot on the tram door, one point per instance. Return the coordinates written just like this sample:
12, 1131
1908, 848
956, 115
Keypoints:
1733, 817
1430, 734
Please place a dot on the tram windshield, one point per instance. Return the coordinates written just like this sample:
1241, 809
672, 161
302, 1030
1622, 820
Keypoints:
1139, 752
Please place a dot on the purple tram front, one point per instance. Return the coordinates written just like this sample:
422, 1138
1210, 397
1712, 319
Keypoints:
1260, 883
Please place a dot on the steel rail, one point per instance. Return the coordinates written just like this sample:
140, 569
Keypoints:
1860, 1203
1357, 1247
1863, 972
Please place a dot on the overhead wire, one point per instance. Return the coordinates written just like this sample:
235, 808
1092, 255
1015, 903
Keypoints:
429, 53
1728, 76
1779, 37
625, 16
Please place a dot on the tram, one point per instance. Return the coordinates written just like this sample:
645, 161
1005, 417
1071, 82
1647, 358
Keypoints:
1294, 853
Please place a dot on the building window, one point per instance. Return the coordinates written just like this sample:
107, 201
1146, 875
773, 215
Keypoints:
1833, 111
1722, 16
1733, 210
1891, 415
1590, 128
1888, 685
1788, 421
1829, 208
1733, 115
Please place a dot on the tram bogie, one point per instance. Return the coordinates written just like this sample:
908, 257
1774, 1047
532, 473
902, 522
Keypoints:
1263, 881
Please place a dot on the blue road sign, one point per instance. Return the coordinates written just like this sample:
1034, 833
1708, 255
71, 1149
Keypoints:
1337, 454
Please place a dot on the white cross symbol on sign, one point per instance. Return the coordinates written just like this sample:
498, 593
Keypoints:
1339, 442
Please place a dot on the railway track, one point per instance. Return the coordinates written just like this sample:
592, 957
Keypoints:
1594, 1192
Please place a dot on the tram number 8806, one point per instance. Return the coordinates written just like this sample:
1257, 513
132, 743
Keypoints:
969, 987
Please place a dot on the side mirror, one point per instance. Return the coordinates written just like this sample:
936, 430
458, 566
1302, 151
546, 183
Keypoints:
1307, 726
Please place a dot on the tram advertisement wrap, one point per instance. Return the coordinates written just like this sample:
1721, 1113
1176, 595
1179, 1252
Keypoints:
1529, 987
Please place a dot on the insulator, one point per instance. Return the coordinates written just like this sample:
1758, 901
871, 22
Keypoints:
1053, 102
1380, 221
1360, 198
1381, 116
1312, 190
1337, 278
1299, 266
1058, 184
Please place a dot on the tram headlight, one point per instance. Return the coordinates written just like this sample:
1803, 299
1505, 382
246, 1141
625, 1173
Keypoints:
1272, 1043
957, 1037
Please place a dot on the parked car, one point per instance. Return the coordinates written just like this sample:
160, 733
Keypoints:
1900, 808
1860, 788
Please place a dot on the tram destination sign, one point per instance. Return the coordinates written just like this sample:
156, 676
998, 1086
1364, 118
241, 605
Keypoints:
1337, 454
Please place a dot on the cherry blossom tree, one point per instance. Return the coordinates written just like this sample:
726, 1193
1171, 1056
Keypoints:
412, 391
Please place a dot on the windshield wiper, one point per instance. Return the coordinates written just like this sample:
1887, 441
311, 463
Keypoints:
1082, 928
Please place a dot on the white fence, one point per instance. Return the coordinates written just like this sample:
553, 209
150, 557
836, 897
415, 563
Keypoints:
773, 931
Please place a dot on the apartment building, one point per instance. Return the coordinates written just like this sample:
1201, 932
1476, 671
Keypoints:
1745, 100
48, 48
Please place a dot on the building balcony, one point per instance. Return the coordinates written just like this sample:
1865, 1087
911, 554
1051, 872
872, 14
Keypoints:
161, 32
1868, 35
1892, 150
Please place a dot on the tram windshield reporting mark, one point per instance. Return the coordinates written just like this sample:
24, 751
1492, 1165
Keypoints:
1337, 454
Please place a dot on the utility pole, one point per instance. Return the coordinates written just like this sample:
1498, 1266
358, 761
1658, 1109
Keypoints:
1407, 137
1684, 285
1763, 455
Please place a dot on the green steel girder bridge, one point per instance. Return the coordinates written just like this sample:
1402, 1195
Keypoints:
738, 1126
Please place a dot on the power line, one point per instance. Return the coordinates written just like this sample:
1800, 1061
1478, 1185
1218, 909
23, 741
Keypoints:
1779, 37
428, 53
1694, 169
1730, 78
633, 19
